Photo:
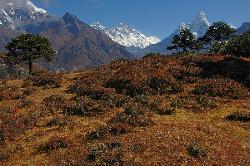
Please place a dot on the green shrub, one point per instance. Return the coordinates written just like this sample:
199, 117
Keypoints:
54, 143
195, 151
47, 80
83, 107
224, 88
239, 45
1, 136
104, 154
118, 84
24, 103
162, 86
134, 116
237, 116
165, 111
54, 103
218, 47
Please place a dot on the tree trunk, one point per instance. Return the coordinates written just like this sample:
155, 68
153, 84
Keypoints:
30, 67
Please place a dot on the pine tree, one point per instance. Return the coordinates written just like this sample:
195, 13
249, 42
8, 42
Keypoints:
185, 41
219, 31
239, 45
28, 48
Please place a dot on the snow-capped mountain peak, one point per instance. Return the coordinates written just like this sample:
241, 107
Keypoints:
127, 36
14, 13
202, 18
200, 24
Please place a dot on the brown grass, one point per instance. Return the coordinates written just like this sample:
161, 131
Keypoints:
184, 110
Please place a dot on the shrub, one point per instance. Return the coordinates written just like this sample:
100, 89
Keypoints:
162, 86
166, 111
125, 87
4, 157
156, 107
222, 88
104, 132
47, 80
149, 55
197, 103
116, 63
239, 45
24, 103
83, 107
116, 100
100, 133
54, 143
10, 93
133, 116
118, 84
95, 94
1, 136
177, 103
54, 103
28, 91
218, 47
195, 151
237, 116
104, 154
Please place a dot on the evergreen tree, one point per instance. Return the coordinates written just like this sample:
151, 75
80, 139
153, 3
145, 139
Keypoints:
219, 31
28, 48
239, 45
185, 41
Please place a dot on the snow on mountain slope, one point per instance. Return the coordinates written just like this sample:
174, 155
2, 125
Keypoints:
14, 13
198, 26
127, 36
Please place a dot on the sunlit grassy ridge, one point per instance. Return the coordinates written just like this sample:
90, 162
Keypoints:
189, 110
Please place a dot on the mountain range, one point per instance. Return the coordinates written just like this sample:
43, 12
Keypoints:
243, 28
16, 13
79, 45
198, 27
127, 36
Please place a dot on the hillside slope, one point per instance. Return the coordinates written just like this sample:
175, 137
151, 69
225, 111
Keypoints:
183, 110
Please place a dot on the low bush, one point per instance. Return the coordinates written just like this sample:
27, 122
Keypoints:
194, 103
224, 88
54, 143
24, 103
83, 106
163, 86
134, 116
239, 45
100, 133
104, 154
4, 156
1, 136
165, 111
10, 93
28, 91
237, 116
156, 107
47, 80
118, 84
195, 151
106, 131
54, 103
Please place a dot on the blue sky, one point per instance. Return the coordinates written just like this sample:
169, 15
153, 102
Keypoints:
152, 17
